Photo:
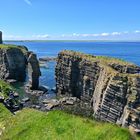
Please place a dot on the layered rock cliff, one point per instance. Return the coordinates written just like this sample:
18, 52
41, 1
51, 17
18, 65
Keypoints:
110, 86
14, 60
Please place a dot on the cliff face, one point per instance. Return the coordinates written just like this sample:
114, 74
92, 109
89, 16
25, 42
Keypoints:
0, 37
14, 60
110, 86
12, 64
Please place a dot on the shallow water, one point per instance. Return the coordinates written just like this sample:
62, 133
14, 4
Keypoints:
129, 51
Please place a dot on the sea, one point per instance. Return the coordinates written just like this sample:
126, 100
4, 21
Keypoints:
129, 51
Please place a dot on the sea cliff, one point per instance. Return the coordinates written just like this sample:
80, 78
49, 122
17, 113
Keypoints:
14, 62
110, 86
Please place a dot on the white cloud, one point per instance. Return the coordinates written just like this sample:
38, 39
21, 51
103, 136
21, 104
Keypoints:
95, 35
137, 31
116, 33
28, 2
44, 36
75, 34
85, 35
104, 34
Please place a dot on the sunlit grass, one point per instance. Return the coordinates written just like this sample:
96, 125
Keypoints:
56, 125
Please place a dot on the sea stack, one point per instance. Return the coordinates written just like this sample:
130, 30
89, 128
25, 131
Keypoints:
33, 71
0, 37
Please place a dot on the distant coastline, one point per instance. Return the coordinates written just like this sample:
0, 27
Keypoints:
71, 40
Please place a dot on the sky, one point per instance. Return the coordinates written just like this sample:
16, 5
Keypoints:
70, 19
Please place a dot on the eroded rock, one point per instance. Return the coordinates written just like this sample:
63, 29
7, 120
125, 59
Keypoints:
33, 71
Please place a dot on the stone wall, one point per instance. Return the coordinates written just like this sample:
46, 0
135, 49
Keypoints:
110, 86
0, 37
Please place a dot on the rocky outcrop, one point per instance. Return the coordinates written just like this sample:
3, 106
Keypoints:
33, 71
12, 64
0, 37
14, 60
110, 86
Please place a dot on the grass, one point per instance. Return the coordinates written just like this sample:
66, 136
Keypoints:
9, 46
103, 59
4, 115
56, 125
5, 88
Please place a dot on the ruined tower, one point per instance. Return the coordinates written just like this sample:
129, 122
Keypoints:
0, 37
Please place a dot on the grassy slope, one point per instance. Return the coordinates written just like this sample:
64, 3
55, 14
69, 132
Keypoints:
5, 88
31, 124
4, 116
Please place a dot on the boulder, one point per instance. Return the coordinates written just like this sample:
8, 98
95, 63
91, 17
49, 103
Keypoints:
16, 95
69, 102
25, 99
49, 106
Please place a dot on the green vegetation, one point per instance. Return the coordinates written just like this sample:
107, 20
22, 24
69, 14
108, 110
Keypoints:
103, 59
56, 125
9, 46
4, 115
5, 88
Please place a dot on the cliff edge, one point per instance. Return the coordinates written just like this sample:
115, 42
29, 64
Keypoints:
111, 86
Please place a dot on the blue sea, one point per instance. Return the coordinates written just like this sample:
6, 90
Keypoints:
129, 51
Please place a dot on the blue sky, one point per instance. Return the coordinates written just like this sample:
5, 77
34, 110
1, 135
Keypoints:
70, 19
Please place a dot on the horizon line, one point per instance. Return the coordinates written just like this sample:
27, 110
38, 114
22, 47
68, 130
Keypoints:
88, 40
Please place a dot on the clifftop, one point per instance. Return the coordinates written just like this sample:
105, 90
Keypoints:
102, 59
108, 62
10, 46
